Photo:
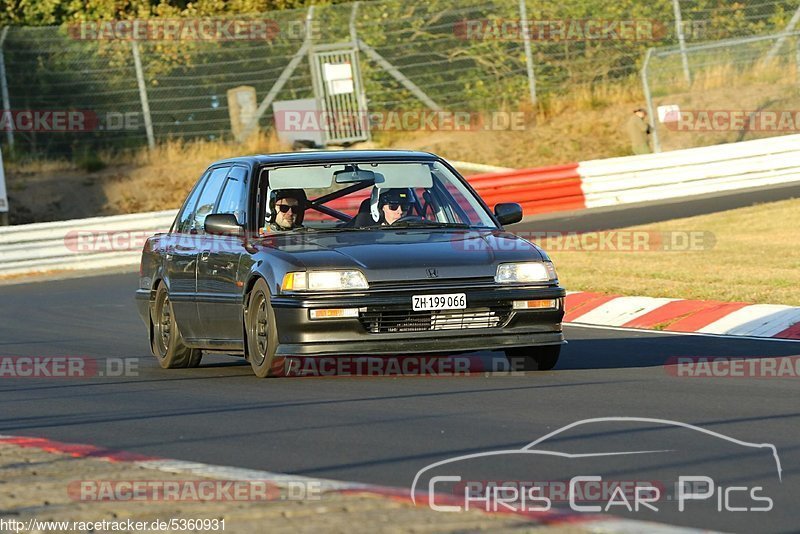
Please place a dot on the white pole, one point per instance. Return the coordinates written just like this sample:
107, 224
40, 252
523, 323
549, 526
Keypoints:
649, 98
148, 121
797, 59
4, 85
676, 7
352, 25
789, 27
3, 197
526, 39
397, 75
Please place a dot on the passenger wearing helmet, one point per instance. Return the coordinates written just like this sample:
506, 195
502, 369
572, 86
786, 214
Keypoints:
286, 209
389, 205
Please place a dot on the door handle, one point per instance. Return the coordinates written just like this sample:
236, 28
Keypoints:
204, 255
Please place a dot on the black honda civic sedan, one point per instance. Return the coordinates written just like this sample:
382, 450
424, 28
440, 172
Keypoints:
354, 252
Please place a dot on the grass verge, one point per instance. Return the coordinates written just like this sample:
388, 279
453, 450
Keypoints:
747, 255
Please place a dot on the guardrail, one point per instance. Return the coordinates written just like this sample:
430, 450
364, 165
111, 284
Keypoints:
554, 188
94, 243
78, 244
689, 172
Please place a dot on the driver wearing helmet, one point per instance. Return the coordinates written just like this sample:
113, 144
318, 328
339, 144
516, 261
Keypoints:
389, 205
286, 210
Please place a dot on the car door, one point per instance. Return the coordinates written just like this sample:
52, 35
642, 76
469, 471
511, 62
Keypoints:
182, 259
219, 290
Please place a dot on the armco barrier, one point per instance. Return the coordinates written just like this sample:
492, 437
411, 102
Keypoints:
694, 171
58, 245
554, 188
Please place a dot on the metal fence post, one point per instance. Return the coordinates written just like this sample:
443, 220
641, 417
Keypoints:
789, 28
148, 121
352, 25
797, 59
648, 97
526, 39
248, 130
3, 196
4, 85
676, 7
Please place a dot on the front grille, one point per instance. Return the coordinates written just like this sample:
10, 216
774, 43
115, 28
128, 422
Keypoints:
432, 283
384, 321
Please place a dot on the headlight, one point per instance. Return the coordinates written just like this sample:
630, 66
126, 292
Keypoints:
324, 281
534, 271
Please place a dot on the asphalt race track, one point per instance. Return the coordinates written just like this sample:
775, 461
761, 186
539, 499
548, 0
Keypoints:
384, 429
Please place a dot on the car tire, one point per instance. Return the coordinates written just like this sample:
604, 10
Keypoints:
533, 358
261, 331
167, 342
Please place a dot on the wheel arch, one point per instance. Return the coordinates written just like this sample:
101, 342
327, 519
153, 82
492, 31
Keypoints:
157, 281
253, 279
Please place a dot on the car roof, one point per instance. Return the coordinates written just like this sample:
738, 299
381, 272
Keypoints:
330, 156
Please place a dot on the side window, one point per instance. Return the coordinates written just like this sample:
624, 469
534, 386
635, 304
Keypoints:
184, 219
208, 198
234, 195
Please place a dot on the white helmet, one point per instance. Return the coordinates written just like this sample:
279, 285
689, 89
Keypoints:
383, 195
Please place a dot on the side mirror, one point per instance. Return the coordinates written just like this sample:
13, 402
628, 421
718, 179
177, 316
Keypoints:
508, 213
223, 224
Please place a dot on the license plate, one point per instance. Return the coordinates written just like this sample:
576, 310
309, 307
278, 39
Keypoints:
452, 301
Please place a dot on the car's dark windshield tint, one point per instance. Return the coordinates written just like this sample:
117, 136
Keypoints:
416, 194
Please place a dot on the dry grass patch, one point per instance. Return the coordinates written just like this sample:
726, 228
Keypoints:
753, 259
161, 178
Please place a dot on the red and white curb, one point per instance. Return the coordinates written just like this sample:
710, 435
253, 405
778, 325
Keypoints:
679, 315
592, 523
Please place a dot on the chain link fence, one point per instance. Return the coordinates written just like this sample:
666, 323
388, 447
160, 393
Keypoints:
468, 55
726, 91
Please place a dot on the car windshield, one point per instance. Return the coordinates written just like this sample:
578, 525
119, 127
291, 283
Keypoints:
369, 196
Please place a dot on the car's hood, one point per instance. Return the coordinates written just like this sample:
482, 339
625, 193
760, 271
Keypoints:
408, 253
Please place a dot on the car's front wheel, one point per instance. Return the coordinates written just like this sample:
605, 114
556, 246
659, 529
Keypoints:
261, 332
533, 358
167, 342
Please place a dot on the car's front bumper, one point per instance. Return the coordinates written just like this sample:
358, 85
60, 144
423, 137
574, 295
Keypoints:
300, 335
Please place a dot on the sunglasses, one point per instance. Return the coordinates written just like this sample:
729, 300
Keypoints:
285, 209
394, 206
